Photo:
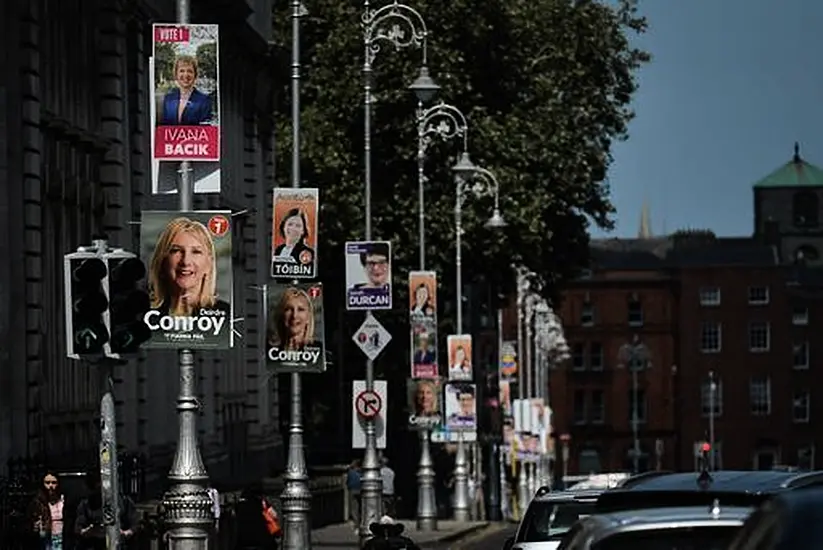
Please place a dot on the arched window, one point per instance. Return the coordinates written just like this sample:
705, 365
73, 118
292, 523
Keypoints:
806, 254
805, 206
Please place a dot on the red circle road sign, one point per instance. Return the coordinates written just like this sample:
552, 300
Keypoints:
368, 404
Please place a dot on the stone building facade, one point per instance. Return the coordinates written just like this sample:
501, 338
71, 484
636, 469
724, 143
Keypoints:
74, 162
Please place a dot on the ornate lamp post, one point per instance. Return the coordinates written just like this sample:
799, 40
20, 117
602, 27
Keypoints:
469, 179
636, 356
400, 26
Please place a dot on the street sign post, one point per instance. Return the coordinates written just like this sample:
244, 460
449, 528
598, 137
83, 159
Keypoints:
368, 404
358, 421
372, 338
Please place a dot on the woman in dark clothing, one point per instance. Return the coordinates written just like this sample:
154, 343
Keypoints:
89, 525
252, 532
388, 535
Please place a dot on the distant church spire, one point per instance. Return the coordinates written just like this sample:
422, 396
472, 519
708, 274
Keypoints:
645, 229
797, 159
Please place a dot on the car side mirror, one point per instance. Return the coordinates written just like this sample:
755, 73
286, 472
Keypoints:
508, 544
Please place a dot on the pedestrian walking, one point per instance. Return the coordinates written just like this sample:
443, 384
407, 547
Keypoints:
353, 476
387, 475
46, 513
258, 525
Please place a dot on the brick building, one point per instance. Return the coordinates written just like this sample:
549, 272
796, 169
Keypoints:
74, 161
745, 309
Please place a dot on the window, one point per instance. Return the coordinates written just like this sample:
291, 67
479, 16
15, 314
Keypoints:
806, 254
579, 407
801, 355
717, 450
759, 336
758, 295
765, 459
760, 396
710, 296
706, 398
578, 356
801, 403
635, 313
589, 461
598, 407
587, 314
596, 355
805, 457
800, 316
805, 206
711, 337
641, 406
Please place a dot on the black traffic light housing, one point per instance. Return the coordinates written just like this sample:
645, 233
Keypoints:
128, 303
87, 302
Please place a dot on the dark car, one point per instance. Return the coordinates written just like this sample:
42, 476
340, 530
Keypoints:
789, 521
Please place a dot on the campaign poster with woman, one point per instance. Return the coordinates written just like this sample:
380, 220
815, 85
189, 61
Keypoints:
423, 295
186, 89
188, 259
423, 349
461, 406
460, 356
294, 233
295, 340
424, 403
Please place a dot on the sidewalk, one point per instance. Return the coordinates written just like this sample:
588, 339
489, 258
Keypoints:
342, 534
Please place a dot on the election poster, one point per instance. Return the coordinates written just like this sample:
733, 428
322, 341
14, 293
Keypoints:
424, 403
368, 275
423, 349
295, 340
461, 406
189, 263
423, 295
508, 361
294, 233
185, 106
460, 356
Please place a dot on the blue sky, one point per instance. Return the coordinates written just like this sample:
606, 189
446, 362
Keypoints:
732, 85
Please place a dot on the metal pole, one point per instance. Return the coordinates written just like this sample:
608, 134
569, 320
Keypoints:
497, 484
635, 416
712, 397
426, 502
371, 484
296, 495
529, 360
461, 471
522, 482
188, 505
108, 458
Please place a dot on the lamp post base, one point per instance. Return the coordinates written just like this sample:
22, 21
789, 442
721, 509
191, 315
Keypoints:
188, 515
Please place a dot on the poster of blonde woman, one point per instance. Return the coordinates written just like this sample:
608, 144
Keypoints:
294, 328
188, 258
460, 356
424, 403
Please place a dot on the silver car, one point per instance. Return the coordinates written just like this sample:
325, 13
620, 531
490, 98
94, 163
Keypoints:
686, 528
549, 517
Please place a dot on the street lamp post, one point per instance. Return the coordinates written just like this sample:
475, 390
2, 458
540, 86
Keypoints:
530, 370
296, 495
382, 26
637, 355
484, 181
445, 122
712, 401
522, 289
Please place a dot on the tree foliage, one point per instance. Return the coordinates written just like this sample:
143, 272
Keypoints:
546, 86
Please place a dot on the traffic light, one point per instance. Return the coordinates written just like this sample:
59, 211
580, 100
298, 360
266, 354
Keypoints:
127, 303
86, 303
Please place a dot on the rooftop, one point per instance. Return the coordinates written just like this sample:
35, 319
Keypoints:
795, 173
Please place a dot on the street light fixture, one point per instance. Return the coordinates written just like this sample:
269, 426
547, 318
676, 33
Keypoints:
400, 26
477, 181
424, 87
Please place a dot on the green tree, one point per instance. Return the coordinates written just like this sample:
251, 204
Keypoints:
546, 86
164, 61
207, 60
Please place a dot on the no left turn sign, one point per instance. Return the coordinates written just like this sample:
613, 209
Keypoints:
368, 404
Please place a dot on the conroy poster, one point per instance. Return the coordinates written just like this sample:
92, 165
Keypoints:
294, 233
189, 263
368, 275
185, 106
295, 340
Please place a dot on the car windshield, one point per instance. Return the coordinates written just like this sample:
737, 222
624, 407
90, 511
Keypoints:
546, 521
694, 538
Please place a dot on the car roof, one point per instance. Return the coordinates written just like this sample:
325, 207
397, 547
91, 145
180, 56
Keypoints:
606, 525
732, 488
569, 496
